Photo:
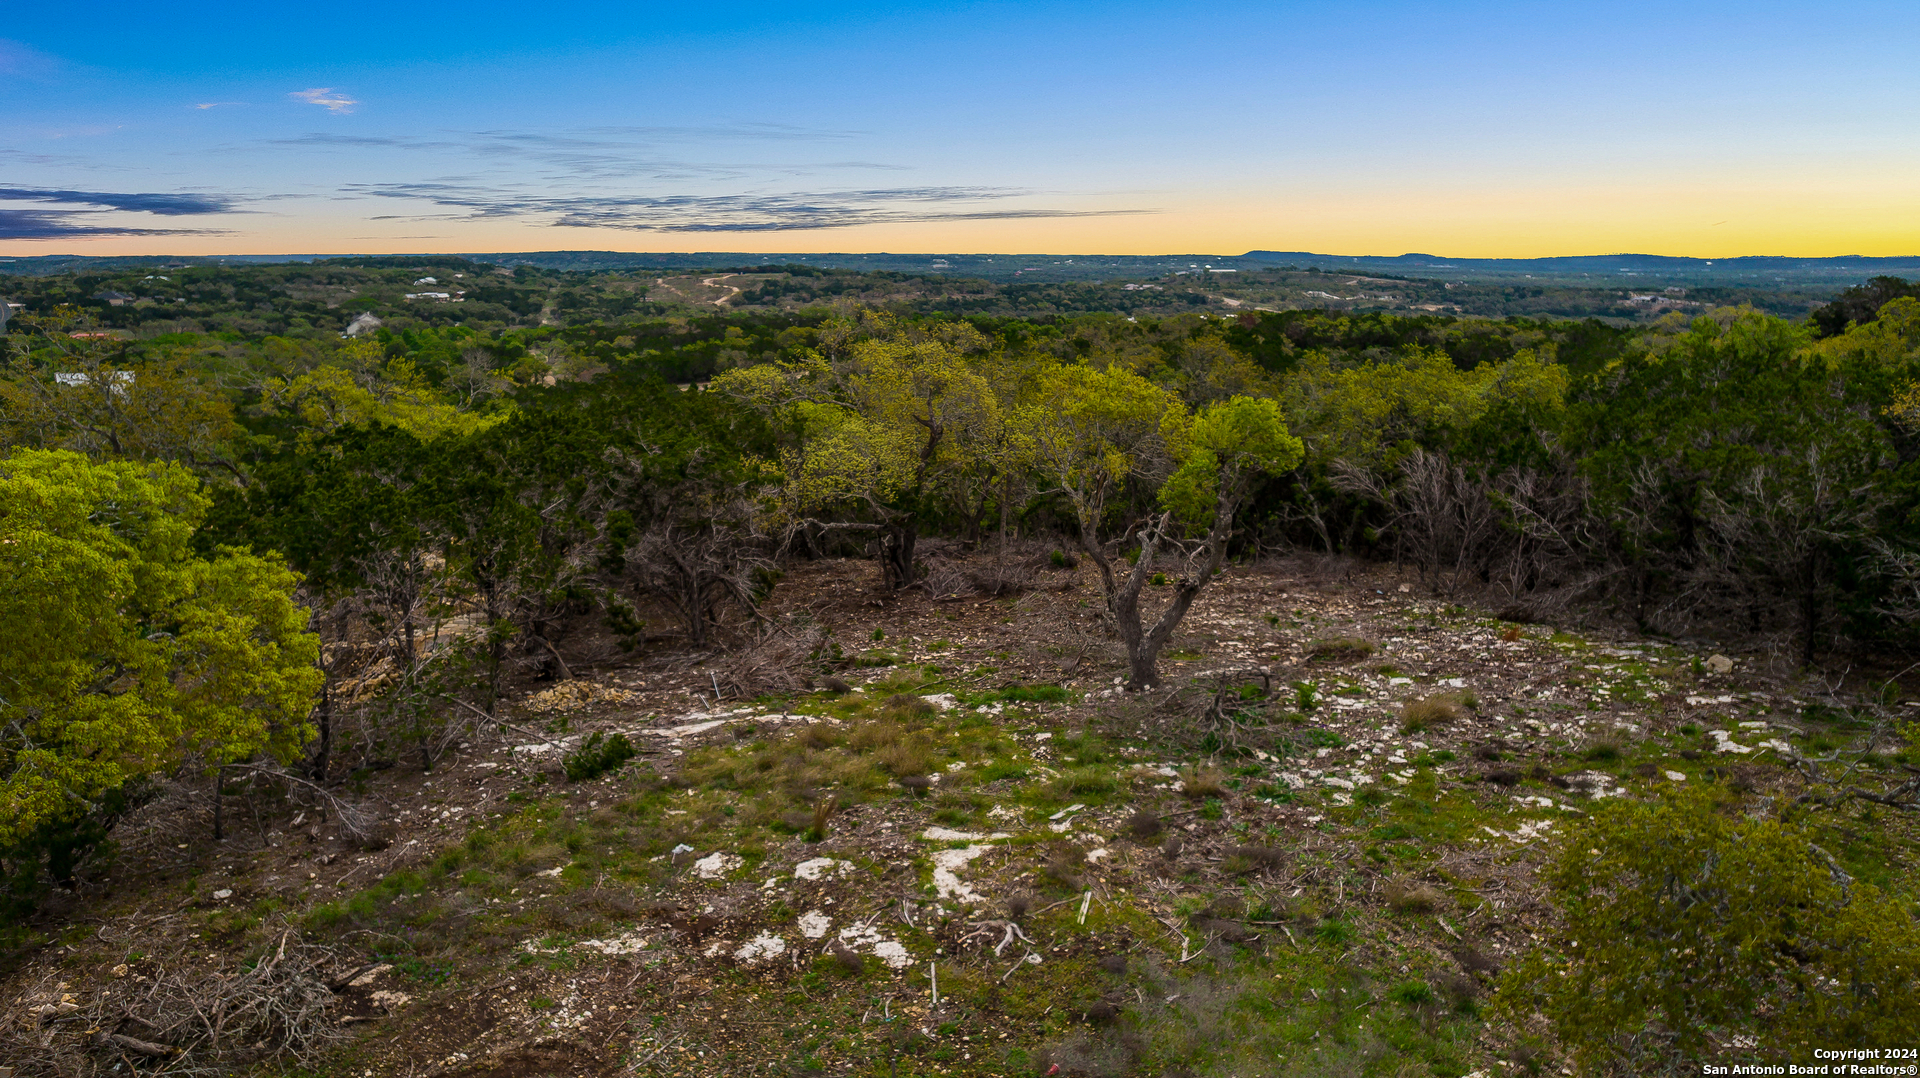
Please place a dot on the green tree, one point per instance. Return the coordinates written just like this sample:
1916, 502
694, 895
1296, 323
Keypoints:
1735, 469
84, 393
1104, 427
127, 653
891, 431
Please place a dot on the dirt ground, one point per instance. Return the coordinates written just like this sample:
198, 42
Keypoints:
661, 935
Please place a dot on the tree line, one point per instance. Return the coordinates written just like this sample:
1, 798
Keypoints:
393, 535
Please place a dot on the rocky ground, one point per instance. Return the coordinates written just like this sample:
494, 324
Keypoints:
964, 852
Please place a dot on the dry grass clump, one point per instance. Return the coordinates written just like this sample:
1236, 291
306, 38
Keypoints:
1426, 712
1409, 896
1144, 826
894, 748
817, 736
909, 705
848, 959
1063, 867
1340, 649
1246, 860
1198, 783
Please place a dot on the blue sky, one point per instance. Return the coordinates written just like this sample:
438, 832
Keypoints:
1454, 128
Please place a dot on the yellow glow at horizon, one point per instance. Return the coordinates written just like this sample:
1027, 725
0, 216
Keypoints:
1814, 217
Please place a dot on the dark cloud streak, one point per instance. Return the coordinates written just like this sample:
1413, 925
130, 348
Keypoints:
68, 224
163, 204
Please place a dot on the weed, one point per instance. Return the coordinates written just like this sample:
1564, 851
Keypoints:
1306, 697
1412, 993
1336, 931
817, 827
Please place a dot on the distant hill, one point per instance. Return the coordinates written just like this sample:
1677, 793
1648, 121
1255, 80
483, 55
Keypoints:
1584, 269
1618, 270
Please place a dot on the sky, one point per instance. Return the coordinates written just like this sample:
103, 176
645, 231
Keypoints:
1454, 128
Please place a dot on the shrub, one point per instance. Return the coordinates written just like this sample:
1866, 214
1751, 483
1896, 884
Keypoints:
1696, 919
1245, 860
598, 755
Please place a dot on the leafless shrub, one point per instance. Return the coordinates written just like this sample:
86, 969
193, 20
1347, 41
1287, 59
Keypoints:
701, 552
776, 660
275, 1007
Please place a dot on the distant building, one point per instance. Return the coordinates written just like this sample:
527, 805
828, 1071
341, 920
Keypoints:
116, 299
118, 380
440, 296
427, 280
364, 322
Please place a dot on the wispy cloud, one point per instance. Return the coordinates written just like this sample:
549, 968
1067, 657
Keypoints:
739, 213
609, 153
324, 97
217, 104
